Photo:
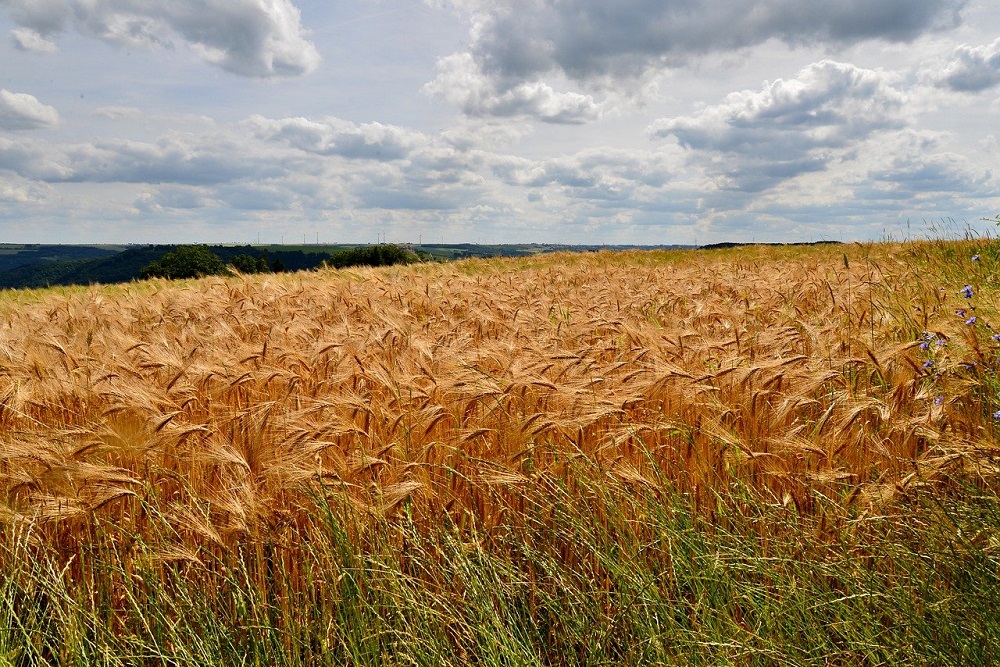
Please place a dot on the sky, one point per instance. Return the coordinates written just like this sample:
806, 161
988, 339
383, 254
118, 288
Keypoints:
497, 121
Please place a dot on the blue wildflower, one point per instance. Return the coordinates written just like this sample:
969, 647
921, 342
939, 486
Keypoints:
960, 312
928, 364
967, 291
924, 345
996, 415
971, 320
939, 400
996, 337
940, 342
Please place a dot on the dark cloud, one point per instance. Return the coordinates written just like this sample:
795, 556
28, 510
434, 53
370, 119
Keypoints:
522, 39
754, 176
254, 38
913, 167
43, 16
972, 69
924, 177
519, 46
757, 139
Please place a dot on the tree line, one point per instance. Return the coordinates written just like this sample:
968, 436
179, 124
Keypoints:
196, 261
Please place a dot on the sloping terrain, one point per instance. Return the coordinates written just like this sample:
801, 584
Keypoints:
205, 420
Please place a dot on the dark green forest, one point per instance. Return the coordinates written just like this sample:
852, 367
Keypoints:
40, 265
46, 266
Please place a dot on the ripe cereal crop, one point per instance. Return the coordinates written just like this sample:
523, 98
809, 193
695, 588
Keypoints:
514, 417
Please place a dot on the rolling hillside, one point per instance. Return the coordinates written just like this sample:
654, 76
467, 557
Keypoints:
753, 455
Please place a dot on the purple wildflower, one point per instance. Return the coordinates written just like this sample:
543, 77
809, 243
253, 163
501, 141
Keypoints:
971, 320
967, 291
939, 400
928, 364
960, 312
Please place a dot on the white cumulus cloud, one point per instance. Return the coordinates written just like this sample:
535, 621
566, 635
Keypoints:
26, 39
334, 136
972, 69
518, 47
790, 126
254, 38
460, 82
21, 111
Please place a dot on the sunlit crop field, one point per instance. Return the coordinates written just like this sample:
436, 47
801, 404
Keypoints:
186, 431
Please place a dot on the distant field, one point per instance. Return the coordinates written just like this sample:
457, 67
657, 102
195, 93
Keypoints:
738, 456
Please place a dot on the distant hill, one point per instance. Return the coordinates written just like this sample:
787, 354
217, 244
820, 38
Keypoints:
26, 266
15, 255
44, 267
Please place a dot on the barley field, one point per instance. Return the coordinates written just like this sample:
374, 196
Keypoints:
750, 456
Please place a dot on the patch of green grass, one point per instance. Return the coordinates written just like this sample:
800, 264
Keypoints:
624, 578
